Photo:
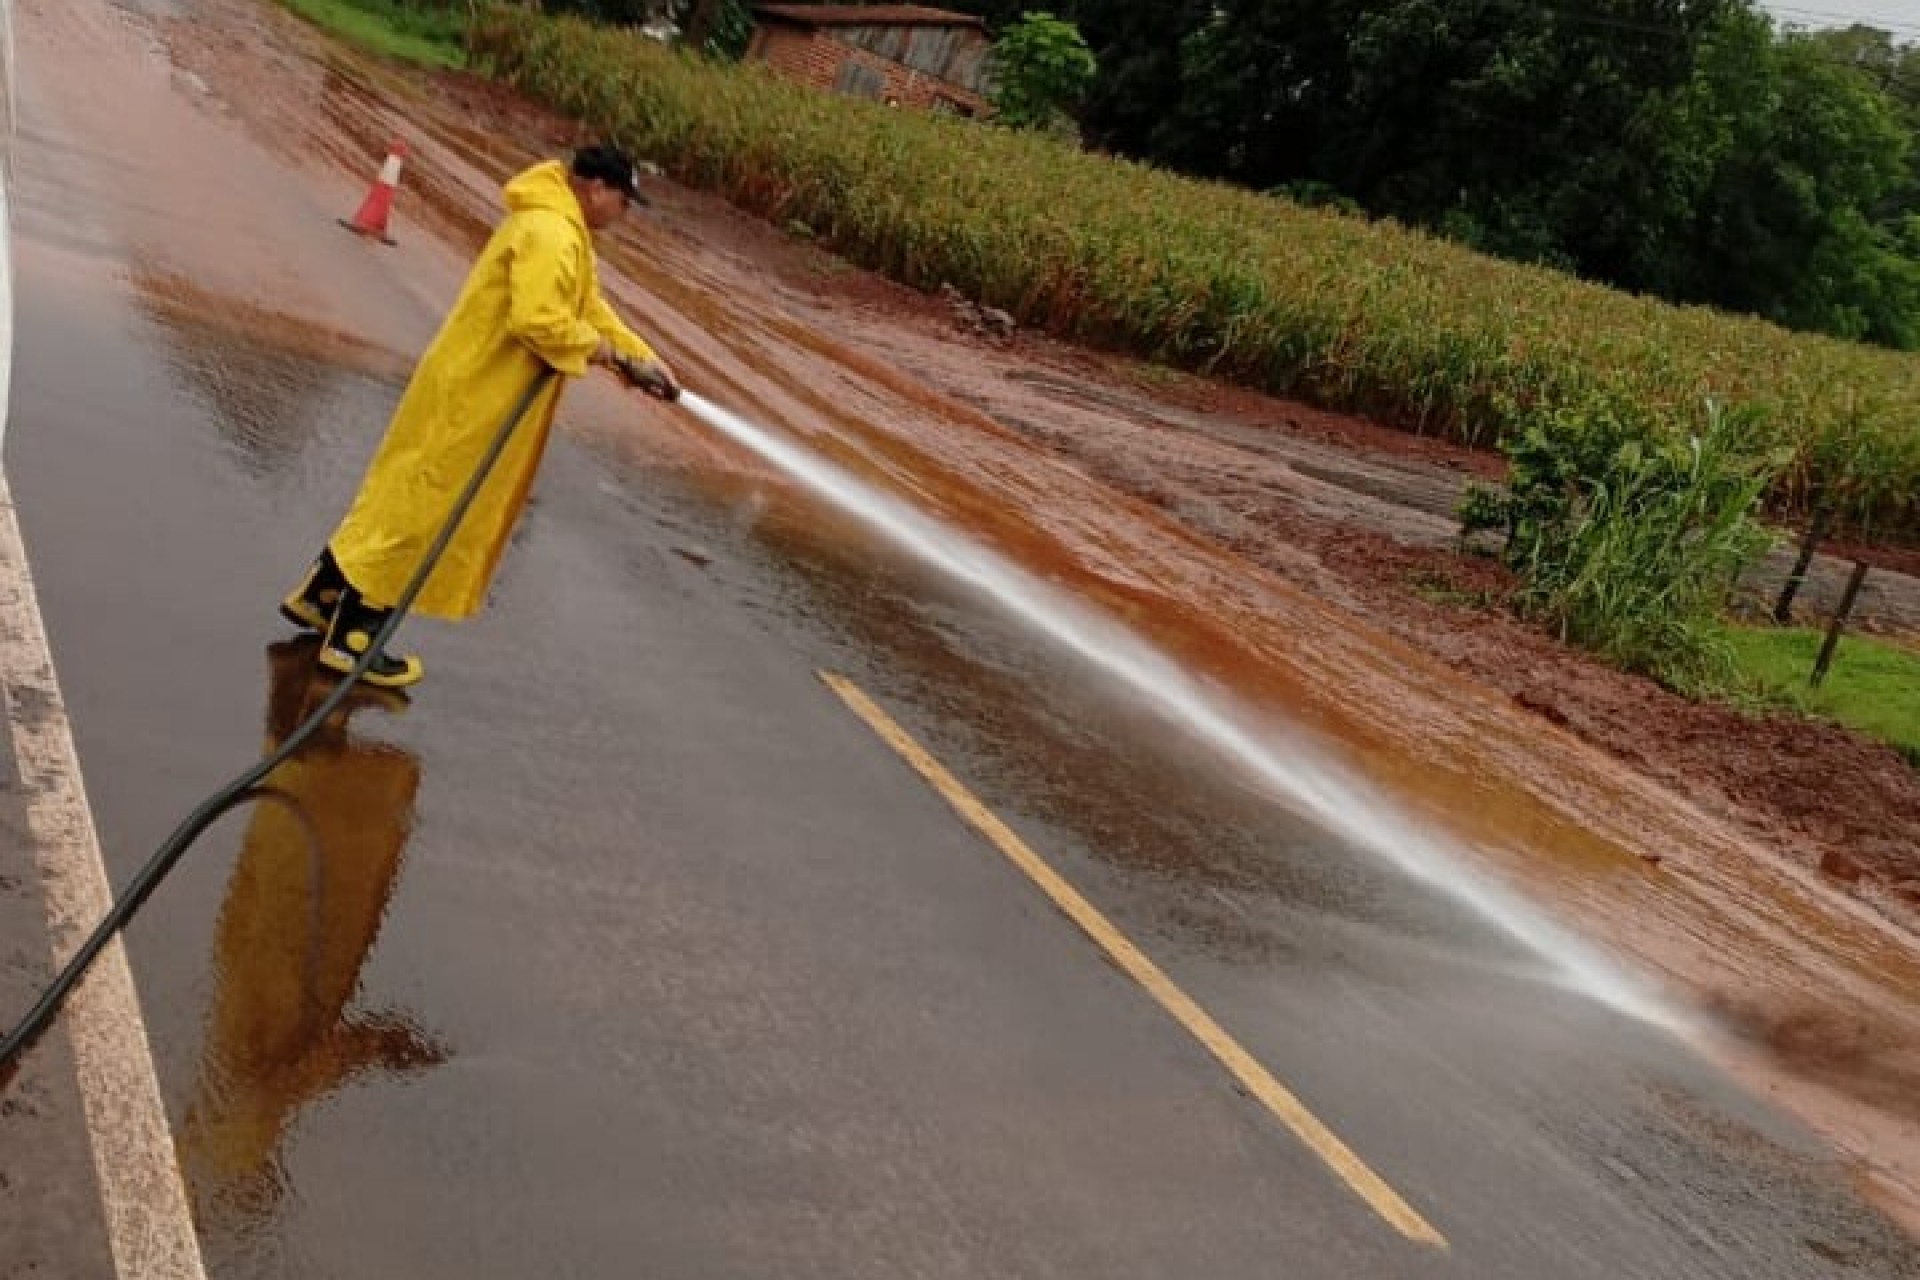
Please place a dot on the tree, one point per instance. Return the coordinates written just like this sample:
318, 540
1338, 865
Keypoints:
1675, 147
1682, 148
1789, 163
1500, 120
1041, 71
1136, 49
1259, 83
718, 28
702, 17
1893, 70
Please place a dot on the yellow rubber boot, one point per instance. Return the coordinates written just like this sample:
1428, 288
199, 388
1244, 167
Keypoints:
311, 605
350, 635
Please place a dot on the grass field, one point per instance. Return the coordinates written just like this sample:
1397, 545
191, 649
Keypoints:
1872, 686
409, 33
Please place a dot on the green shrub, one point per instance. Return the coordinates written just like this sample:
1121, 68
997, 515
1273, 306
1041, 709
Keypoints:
1629, 545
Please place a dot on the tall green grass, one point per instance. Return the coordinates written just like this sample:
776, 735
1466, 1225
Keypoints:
428, 34
1630, 546
1348, 313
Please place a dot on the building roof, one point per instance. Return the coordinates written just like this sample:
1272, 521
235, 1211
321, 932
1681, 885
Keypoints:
865, 15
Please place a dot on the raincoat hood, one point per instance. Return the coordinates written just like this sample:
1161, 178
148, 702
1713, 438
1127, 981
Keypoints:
544, 186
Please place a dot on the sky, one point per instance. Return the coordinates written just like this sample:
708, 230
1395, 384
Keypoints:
1901, 17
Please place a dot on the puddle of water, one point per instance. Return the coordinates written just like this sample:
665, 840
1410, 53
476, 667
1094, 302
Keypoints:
1304, 777
323, 852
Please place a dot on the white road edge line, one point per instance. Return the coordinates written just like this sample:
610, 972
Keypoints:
149, 1225
149, 1222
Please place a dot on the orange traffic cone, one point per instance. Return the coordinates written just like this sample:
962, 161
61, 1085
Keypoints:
371, 220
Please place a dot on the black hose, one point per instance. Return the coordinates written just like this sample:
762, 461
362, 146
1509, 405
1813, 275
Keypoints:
41, 1016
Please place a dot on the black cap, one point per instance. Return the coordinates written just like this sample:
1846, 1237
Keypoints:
611, 166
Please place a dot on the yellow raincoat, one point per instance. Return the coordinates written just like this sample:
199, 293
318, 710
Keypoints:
531, 301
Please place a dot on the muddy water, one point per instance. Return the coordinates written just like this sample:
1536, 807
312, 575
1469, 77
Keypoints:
1641, 869
1271, 756
1750, 944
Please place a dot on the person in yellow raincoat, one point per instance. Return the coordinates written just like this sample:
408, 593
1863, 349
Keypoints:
531, 303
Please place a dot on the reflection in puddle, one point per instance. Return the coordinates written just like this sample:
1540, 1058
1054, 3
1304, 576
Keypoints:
268, 378
321, 859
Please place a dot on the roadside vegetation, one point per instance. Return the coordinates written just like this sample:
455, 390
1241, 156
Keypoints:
1627, 545
1873, 686
425, 33
1351, 314
1645, 438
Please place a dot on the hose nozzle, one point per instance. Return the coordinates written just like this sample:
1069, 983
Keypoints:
639, 373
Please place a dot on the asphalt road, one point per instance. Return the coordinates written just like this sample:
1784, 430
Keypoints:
626, 948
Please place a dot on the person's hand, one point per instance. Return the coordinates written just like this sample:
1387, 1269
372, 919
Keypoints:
651, 376
657, 379
605, 354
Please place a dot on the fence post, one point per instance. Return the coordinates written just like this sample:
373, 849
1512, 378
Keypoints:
1816, 531
1825, 659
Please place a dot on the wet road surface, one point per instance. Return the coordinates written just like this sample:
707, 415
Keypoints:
623, 948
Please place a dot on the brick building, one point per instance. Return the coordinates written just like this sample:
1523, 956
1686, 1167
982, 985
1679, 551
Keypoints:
917, 57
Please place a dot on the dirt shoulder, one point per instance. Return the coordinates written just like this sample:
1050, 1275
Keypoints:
1360, 515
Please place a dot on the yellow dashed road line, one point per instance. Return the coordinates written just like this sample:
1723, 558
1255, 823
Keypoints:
1257, 1080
